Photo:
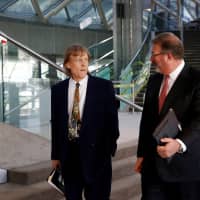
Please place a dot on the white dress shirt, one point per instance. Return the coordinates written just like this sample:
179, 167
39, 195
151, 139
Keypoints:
82, 95
173, 76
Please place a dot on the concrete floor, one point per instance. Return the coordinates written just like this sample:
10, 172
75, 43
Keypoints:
17, 148
129, 126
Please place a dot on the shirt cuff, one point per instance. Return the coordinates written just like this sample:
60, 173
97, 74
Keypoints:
183, 146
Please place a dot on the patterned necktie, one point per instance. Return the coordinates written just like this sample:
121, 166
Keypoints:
75, 122
163, 92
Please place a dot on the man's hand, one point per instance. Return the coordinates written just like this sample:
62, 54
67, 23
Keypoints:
169, 149
138, 164
55, 164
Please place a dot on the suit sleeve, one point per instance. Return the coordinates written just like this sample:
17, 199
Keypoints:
112, 118
191, 122
54, 129
148, 122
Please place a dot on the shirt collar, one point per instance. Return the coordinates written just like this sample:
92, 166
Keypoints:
173, 75
81, 82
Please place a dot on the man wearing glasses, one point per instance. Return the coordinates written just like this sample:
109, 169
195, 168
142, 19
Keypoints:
176, 86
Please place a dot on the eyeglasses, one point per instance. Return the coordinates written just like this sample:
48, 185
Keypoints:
157, 54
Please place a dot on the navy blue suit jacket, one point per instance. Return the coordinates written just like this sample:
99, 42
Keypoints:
99, 128
184, 98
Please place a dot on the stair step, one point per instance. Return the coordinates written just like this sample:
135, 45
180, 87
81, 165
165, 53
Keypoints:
37, 191
193, 59
123, 167
126, 188
193, 54
30, 174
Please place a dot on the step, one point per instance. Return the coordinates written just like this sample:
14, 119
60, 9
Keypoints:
193, 59
37, 191
30, 174
126, 188
192, 54
123, 167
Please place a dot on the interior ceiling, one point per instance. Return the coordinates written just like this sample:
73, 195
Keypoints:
79, 13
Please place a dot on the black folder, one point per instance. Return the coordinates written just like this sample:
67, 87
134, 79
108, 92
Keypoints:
56, 180
168, 127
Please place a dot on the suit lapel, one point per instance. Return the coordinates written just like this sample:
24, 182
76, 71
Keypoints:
65, 97
154, 91
88, 101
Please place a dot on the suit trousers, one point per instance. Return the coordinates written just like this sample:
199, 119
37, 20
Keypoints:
76, 186
160, 190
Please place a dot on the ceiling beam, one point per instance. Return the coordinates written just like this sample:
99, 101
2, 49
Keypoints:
57, 9
101, 12
38, 11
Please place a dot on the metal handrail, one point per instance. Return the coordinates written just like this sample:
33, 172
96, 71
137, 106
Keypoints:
38, 56
31, 52
25, 103
101, 42
128, 102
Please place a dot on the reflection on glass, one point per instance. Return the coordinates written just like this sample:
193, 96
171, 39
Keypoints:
50, 4
21, 8
78, 8
26, 90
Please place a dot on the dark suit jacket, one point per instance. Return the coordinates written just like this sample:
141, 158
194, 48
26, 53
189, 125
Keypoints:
184, 98
99, 129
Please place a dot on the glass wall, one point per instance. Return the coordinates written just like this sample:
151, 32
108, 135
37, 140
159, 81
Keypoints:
25, 89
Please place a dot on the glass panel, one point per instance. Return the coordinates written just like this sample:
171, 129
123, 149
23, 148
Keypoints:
1, 84
108, 9
60, 16
102, 58
190, 9
134, 77
91, 13
76, 7
21, 8
101, 48
44, 4
5, 3
26, 90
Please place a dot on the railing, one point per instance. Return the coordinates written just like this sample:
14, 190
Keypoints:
129, 103
26, 78
136, 73
102, 58
101, 48
31, 52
